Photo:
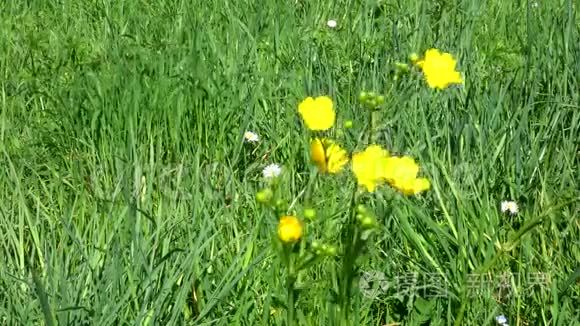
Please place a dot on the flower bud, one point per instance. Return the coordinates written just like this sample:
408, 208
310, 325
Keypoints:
380, 100
368, 222
348, 124
310, 213
414, 57
331, 251
281, 206
363, 97
264, 196
315, 245
402, 67
361, 209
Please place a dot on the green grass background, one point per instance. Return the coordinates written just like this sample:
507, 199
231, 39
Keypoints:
127, 195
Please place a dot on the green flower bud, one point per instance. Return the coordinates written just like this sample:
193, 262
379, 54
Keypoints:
331, 251
281, 204
310, 214
414, 57
361, 209
348, 124
359, 217
402, 67
264, 196
380, 100
315, 245
363, 97
368, 222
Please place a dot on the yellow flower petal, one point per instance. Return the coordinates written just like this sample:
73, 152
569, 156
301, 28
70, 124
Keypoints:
317, 154
336, 158
439, 69
317, 113
289, 229
400, 169
368, 166
401, 174
327, 155
421, 184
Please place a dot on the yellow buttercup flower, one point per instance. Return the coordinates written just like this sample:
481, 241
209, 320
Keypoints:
401, 174
289, 229
317, 113
328, 156
400, 169
439, 69
368, 166
412, 186
420, 185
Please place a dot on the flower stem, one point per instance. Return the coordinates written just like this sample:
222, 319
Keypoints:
351, 250
371, 128
352, 245
290, 280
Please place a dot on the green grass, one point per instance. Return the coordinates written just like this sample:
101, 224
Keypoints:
127, 195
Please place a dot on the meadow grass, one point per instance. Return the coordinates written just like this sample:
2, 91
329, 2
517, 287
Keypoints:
127, 193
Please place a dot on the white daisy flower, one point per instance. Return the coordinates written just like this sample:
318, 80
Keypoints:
501, 319
251, 137
331, 23
272, 171
509, 206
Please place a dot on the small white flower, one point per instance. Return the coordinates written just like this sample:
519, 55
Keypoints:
535, 4
501, 319
272, 171
251, 137
509, 206
331, 23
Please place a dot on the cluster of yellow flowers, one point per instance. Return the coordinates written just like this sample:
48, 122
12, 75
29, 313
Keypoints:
371, 167
374, 165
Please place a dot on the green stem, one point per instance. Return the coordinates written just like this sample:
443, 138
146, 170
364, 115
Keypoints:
42, 298
459, 318
348, 261
290, 312
352, 245
290, 281
307, 262
371, 127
